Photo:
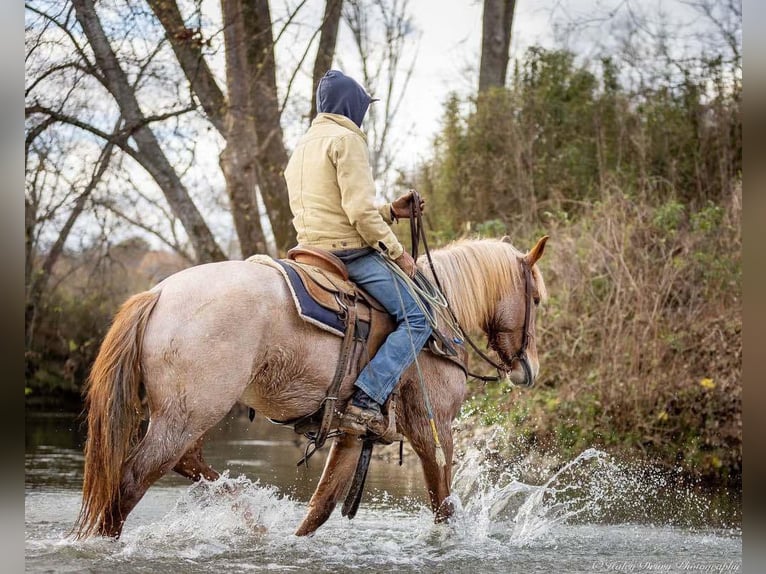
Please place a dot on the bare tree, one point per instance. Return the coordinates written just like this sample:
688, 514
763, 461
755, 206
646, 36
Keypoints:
152, 156
232, 118
238, 159
726, 18
385, 74
655, 41
271, 155
37, 279
497, 22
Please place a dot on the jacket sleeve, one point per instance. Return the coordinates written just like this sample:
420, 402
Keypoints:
357, 192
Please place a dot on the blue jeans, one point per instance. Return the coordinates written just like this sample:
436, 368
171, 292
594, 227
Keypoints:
371, 273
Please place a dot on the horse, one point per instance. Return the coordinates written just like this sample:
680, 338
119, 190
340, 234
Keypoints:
217, 334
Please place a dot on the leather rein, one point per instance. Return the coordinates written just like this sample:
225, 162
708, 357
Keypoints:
417, 233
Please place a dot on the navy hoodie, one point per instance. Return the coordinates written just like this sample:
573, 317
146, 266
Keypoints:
339, 94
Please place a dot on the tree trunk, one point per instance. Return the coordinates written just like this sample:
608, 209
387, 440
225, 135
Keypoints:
238, 159
154, 160
495, 42
188, 51
326, 52
231, 120
271, 156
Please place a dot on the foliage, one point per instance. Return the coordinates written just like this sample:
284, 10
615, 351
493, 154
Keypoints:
640, 344
90, 287
561, 134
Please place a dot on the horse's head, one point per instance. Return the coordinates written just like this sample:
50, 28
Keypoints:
512, 327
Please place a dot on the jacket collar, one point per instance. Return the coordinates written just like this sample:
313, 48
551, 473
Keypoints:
325, 118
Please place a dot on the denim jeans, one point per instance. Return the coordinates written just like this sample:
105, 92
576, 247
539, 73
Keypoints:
372, 274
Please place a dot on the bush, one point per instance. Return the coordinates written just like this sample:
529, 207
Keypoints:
640, 344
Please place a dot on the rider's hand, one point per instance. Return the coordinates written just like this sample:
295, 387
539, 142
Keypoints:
401, 205
407, 264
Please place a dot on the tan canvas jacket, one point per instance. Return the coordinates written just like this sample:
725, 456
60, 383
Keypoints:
329, 182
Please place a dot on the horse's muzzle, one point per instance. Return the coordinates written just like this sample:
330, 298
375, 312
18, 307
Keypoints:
523, 377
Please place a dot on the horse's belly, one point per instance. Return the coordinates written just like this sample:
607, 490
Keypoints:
290, 382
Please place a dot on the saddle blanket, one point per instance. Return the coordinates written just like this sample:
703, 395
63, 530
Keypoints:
308, 309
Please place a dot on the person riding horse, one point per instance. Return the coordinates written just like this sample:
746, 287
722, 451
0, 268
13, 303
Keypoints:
331, 192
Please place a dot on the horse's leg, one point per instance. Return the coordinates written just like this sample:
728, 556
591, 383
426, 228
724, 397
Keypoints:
193, 466
160, 449
335, 481
446, 386
437, 478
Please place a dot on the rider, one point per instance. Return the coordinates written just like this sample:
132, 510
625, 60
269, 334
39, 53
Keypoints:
331, 191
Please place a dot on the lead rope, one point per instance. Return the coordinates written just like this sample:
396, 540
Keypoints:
416, 233
441, 460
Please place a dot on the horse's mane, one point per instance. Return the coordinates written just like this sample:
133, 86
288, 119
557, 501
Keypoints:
477, 273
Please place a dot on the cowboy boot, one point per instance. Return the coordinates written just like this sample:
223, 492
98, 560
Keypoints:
363, 416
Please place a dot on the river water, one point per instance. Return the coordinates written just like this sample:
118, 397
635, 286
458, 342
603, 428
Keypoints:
591, 515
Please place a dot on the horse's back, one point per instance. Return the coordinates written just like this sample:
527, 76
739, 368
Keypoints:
215, 300
243, 277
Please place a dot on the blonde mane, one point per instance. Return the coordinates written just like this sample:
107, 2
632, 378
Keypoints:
476, 274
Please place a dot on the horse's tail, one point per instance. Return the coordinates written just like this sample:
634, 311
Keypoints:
114, 412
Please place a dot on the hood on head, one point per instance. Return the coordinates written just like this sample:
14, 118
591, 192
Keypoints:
339, 94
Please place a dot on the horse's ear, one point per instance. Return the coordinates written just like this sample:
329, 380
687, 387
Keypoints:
537, 251
505, 239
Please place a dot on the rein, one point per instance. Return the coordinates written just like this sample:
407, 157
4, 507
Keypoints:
417, 233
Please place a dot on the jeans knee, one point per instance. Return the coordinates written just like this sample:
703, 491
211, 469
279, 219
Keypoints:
419, 324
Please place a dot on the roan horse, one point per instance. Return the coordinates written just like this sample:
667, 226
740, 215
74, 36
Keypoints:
221, 333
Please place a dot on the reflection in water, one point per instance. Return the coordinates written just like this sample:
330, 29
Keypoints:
259, 450
591, 511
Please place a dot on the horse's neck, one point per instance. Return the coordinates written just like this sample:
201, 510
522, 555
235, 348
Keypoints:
458, 289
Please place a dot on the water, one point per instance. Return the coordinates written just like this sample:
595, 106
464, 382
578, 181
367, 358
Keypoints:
592, 515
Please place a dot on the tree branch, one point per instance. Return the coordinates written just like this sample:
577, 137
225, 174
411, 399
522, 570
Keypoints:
88, 64
109, 205
188, 50
154, 160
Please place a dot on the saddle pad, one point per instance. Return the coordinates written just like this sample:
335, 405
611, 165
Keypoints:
308, 309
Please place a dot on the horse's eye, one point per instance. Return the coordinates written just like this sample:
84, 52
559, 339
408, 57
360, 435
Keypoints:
536, 300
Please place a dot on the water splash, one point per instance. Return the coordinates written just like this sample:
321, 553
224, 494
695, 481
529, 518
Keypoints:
495, 503
493, 500
502, 516
211, 518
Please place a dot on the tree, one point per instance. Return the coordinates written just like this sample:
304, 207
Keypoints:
497, 22
126, 100
249, 121
153, 158
36, 280
384, 73
326, 51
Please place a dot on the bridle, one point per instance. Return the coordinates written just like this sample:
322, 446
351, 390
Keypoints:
416, 234
521, 354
